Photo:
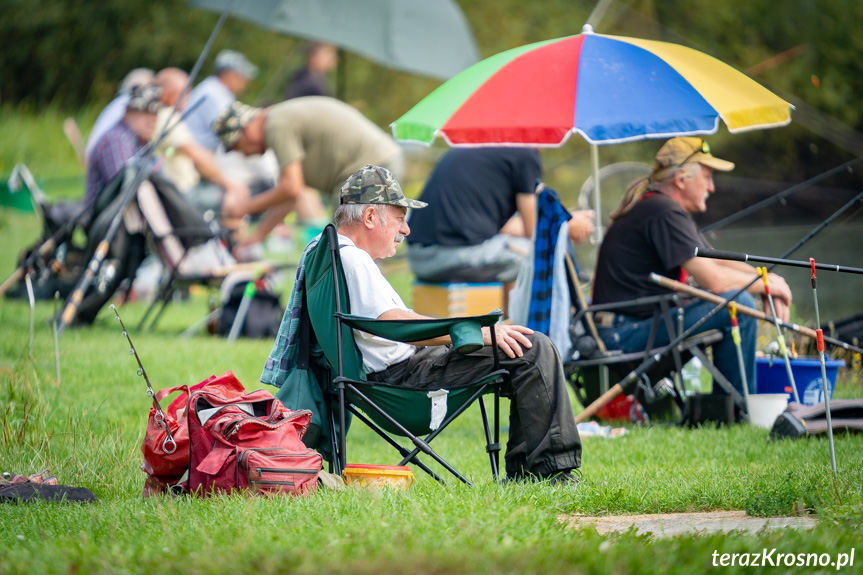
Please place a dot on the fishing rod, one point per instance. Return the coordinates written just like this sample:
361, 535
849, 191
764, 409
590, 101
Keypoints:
711, 297
778, 196
47, 248
780, 335
159, 416
74, 300
743, 257
825, 383
653, 359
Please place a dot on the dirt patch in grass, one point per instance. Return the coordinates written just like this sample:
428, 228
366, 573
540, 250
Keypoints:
671, 524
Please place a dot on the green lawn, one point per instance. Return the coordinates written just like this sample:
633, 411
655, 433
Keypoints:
87, 429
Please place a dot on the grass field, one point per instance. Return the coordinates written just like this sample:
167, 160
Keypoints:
87, 429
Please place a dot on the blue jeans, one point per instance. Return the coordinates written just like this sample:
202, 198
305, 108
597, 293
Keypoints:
630, 334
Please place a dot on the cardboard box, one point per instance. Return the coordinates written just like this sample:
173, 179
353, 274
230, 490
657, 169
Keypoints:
457, 299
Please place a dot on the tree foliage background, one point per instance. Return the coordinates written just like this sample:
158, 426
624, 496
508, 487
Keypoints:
68, 53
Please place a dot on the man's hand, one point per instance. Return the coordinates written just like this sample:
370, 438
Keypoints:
233, 206
781, 297
247, 248
510, 338
237, 191
581, 225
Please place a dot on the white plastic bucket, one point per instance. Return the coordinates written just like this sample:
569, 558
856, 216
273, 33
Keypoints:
764, 408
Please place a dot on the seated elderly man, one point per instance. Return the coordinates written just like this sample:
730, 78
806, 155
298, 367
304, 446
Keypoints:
125, 139
653, 232
543, 437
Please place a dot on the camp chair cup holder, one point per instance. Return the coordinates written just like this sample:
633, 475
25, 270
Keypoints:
466, 336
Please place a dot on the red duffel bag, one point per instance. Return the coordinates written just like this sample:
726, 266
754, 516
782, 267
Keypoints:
166, 443
251, 442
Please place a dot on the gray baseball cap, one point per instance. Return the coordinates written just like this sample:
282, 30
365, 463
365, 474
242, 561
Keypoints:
233, 60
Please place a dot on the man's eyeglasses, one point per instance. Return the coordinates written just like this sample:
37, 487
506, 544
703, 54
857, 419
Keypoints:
703, 149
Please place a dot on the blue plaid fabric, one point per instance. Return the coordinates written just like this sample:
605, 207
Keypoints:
551, 215
283, 357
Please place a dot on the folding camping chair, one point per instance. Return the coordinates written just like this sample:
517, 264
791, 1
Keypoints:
587, 363
57, 259
388, 409
591, 366
190, 249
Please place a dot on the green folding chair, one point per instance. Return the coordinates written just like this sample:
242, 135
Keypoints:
388, 409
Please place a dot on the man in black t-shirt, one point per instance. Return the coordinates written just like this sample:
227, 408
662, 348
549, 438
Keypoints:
653, 231
481, 215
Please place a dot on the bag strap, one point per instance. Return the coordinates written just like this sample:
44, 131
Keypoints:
163, 393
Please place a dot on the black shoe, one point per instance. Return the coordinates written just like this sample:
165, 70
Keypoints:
565, 477
569, 477
787, 426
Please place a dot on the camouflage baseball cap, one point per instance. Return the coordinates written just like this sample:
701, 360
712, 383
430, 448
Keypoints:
230, 124
146, 98
375, 185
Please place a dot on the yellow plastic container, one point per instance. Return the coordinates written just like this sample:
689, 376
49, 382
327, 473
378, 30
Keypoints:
363, 475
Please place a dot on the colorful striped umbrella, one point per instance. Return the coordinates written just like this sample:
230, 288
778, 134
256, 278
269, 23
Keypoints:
609, 89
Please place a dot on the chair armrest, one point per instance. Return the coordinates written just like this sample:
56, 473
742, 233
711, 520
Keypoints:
646, 300
466, 332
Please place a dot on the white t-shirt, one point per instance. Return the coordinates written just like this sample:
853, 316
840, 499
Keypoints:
371, 295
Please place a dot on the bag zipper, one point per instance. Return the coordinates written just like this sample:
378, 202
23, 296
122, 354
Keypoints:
247, 452
233, 427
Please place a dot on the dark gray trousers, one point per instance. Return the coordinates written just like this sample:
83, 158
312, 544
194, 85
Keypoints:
543, 436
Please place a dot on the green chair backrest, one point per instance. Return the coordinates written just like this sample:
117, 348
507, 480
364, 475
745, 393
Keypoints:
321, 306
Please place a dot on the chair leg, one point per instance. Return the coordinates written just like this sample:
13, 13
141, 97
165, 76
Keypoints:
421, 444
739, 401
335, 458
493, 448
342, 434
497, 423
400, 448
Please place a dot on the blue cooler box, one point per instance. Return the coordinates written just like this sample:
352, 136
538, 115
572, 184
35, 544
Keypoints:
771, 377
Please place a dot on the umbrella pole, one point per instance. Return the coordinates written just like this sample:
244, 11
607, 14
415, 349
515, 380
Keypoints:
597, 209
340, 76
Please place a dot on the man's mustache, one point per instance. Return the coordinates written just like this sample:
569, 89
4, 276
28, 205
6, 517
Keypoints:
399, 238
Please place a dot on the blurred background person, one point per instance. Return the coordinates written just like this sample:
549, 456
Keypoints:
318, 142
120, 143
113, 112
232, 73
190, 166
311, 79
481, 217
